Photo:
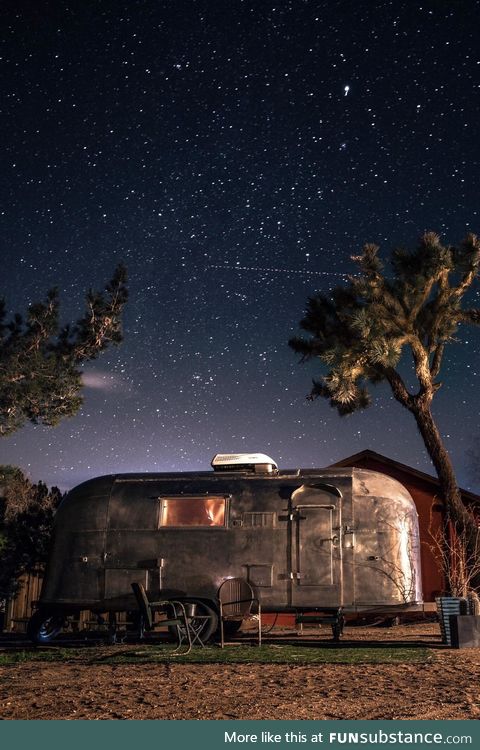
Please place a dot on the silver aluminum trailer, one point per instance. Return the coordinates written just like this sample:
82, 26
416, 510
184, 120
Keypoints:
305, 540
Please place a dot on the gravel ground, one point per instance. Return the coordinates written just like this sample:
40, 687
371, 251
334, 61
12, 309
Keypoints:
446, 686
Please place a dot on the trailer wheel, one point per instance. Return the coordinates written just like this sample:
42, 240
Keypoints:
202, 620
43, 626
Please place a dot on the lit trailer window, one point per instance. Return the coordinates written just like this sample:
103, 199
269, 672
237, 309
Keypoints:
192, 511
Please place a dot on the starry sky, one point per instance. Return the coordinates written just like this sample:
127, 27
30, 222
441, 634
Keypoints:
234, 155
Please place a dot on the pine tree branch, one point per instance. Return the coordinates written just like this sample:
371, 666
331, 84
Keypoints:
39, 366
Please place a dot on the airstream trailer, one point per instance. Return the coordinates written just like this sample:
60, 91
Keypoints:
305, 540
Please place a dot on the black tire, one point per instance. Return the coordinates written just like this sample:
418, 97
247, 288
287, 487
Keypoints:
43, 627
203, 626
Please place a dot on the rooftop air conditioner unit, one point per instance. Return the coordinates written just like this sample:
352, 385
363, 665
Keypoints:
258, 463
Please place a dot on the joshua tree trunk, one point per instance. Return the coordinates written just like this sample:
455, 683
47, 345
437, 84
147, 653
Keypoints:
454, 507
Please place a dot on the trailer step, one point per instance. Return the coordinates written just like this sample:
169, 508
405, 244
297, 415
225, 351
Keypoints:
316, 619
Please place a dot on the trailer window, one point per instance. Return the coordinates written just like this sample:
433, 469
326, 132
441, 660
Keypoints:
192, 511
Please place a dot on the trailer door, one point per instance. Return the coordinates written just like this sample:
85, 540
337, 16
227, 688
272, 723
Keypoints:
130, 553
315, 544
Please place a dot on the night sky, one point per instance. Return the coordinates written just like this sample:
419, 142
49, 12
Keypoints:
234, 155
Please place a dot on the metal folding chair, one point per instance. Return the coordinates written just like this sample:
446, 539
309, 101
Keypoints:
236, 599
176, 616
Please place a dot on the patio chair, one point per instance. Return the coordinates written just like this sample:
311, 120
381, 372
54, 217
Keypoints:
236, 600
176, 616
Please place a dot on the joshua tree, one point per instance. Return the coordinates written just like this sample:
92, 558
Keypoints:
40, 378
361, 332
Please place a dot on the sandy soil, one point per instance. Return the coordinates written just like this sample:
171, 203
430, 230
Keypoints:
446, 687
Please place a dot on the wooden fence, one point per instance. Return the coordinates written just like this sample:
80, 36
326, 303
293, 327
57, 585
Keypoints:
19, 610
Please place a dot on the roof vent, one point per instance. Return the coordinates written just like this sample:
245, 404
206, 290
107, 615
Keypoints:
257, 463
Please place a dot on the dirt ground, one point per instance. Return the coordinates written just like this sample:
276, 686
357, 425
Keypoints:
446, 686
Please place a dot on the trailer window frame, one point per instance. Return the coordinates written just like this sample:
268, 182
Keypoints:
223, 501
